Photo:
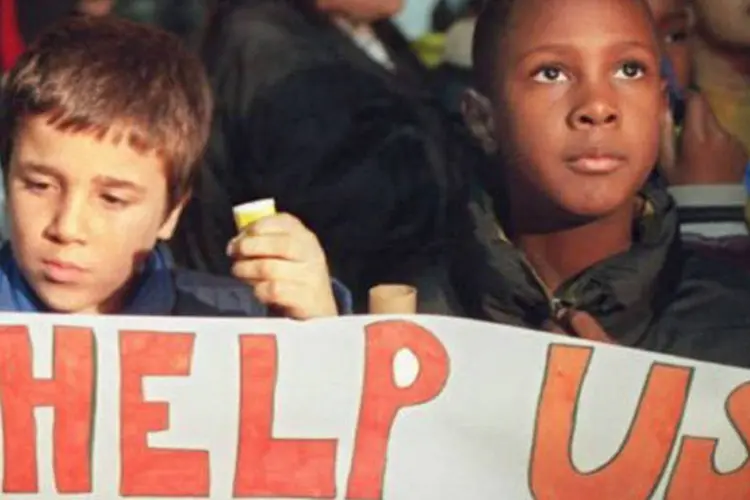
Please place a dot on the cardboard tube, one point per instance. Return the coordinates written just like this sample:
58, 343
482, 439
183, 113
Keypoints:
248, 213
393, 299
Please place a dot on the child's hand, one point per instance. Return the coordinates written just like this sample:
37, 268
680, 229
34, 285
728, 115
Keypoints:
706, 154
285, 264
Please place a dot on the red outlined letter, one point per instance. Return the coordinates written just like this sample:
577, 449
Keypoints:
695, 475
382, 399
266, 466
635, 470
70, 392
153, 471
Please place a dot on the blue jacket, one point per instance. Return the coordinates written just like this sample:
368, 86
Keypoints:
161, 290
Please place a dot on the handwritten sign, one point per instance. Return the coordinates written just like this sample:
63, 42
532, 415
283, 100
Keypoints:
359, 408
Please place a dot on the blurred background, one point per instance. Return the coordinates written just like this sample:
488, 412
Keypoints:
183, 16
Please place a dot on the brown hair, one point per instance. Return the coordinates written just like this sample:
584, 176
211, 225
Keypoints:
90, 75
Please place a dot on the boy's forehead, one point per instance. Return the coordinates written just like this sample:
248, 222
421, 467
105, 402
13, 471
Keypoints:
551, 21
84, 153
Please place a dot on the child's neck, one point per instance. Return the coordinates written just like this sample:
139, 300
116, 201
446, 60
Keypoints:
717, 67
557, 256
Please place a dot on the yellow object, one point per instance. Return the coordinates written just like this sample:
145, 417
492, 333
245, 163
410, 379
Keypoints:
429, 49
249, 213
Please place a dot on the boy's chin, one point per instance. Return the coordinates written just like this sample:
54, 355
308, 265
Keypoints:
591, 208
68, 301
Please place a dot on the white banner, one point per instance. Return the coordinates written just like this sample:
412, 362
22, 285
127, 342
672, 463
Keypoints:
414, 408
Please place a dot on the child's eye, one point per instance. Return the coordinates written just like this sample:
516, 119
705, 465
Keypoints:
549, 74
631, 71
36, 186
113, 201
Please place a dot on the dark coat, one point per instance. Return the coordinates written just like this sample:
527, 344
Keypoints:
658, 296
362, 155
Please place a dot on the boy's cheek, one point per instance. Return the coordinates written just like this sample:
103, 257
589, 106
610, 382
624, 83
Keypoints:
23, 211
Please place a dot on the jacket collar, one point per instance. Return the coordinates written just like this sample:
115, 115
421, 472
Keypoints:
625, 293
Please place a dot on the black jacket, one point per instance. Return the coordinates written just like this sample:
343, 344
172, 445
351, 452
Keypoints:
35, 16
656, 296
360, 154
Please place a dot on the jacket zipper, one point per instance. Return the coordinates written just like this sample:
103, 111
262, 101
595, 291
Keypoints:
558, 306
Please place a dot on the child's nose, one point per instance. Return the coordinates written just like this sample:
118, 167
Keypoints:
68, 226
597, 109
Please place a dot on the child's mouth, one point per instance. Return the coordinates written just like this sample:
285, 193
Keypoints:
62, 272
595, 164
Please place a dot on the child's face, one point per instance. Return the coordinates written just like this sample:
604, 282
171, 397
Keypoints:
84, 214
578, 104
726, 20
672, 23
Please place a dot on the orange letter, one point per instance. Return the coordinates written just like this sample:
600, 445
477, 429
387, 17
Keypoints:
634, 472
69, 392
382, 398
268, 467
152, 471
695, 475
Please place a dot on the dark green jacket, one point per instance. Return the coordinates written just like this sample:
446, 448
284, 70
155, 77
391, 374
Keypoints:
657, 296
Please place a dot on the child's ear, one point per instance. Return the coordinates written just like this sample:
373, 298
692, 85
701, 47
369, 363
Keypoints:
477, 112
173, 217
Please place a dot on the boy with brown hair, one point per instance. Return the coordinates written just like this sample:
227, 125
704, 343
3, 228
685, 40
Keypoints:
570, 101
103, 124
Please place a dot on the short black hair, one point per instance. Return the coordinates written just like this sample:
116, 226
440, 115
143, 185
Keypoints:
492, 23
492, 26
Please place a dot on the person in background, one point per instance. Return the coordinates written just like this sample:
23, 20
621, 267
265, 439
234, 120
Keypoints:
316, 110
104, 122
721, 55
701, 162
22, 21
569, 237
